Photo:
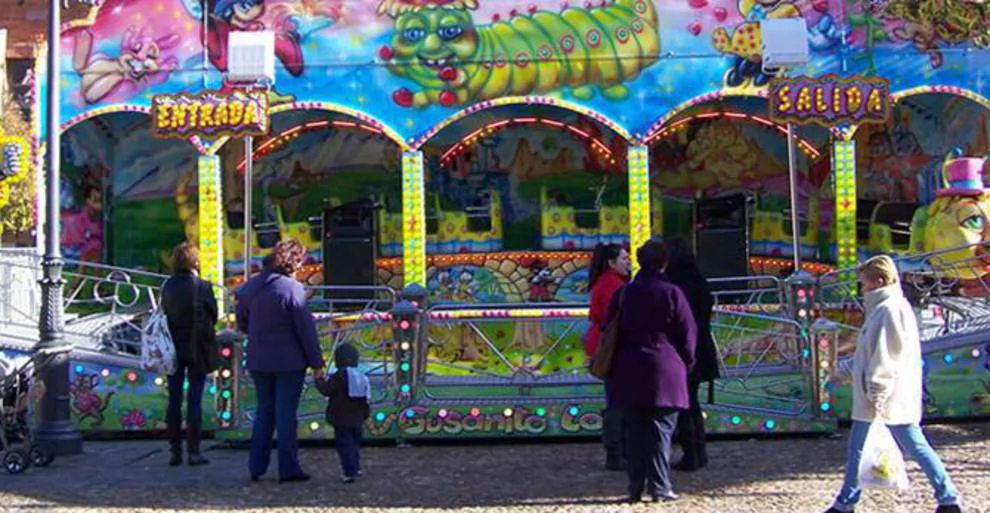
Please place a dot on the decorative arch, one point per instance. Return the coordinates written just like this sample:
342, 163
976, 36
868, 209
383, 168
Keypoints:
668, 130
721, 94
713, 96
386, 130
119, 109
961, 92
417, 144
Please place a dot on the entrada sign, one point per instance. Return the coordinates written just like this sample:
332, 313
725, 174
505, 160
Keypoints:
210, 114
830, 100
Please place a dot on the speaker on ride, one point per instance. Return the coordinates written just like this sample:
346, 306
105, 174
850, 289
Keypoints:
722, 238
350, 250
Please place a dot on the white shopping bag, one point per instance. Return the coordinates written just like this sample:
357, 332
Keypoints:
157, 348
882, 465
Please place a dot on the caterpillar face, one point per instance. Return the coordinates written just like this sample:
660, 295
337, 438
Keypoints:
430, 45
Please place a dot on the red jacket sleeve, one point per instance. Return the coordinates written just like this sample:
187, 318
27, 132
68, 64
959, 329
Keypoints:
601, 299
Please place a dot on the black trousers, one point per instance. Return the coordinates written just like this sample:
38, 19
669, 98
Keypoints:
613, 437
648, 434
194, 408
690, 432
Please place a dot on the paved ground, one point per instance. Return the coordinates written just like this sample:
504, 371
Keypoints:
792, 475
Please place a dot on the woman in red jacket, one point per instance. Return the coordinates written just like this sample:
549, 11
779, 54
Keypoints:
610, 267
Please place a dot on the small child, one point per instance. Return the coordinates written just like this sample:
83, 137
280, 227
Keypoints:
347, 392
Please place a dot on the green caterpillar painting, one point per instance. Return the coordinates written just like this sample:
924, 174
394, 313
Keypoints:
437, 45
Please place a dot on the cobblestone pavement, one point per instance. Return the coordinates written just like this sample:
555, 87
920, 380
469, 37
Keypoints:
779, 475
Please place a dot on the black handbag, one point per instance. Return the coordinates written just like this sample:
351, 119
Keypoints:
204, 330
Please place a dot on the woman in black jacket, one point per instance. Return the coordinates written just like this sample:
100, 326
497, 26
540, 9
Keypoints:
191, 310
683, 271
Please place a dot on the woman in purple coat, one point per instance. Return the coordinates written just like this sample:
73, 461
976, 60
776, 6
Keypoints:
648, 377
282, 343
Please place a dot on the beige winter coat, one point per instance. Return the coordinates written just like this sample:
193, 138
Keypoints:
886, 369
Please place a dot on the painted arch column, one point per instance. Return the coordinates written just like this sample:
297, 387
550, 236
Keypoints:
844, 183
638, 162
209, 187
413, 220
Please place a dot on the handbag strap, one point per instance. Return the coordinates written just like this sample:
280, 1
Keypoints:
622, 301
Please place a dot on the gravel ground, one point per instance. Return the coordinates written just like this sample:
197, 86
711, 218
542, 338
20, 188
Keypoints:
779, 475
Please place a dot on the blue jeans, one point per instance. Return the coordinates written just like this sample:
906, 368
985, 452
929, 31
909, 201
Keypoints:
648, 435
278, 396
194, 408
912, 442
347, 440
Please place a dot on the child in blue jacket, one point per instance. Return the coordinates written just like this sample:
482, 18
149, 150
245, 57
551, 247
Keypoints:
347, 392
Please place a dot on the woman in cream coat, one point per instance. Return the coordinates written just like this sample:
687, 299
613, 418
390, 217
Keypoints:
886, 373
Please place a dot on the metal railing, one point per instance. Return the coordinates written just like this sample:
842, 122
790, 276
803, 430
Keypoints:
105, 306
515, 347
763, 363
950, 288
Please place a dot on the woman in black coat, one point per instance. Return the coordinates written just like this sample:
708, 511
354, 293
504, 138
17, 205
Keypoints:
683, 271
191, 311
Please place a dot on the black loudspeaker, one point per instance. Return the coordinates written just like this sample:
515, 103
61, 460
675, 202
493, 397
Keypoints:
350, 250
349, 262
355, 219
723, 253
722, 239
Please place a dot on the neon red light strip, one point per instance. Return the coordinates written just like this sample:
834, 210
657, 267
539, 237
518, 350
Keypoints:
296, 131
669, 130
467, 140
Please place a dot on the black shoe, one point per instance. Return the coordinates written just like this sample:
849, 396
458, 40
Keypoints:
196, 460
664, 497
255, 478
948, 508
348, 479
301, 477
175, 460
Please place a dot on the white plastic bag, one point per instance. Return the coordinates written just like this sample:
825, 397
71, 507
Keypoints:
157, 348
882, 465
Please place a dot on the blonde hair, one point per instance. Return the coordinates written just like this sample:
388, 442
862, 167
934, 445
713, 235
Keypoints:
882, 268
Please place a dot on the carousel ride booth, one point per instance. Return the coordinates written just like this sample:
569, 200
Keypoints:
473, 324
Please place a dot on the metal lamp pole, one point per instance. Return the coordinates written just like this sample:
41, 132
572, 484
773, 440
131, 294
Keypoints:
792, 176
248, 204
55, 426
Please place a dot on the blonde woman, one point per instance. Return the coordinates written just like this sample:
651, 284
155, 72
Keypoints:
886, 375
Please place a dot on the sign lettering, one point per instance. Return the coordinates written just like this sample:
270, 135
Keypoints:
210, 115
829, 100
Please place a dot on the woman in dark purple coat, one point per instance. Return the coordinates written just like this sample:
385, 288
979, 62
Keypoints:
282, 344
648, 377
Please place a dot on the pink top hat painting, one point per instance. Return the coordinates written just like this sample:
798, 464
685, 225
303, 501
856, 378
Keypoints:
962, 176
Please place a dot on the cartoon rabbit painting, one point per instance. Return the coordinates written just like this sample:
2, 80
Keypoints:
140, 64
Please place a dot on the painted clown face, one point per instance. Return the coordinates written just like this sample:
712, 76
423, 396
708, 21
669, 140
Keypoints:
958, 228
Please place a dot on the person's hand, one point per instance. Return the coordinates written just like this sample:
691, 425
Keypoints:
319, 373
833, 383
880, 408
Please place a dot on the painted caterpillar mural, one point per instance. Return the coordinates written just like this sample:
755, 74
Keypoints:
437, 45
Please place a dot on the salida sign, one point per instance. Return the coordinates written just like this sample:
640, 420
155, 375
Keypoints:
210, 115
830, 100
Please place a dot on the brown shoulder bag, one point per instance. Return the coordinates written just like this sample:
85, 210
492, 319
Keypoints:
601, 363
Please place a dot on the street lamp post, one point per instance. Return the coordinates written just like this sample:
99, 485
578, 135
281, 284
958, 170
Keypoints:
55, 426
